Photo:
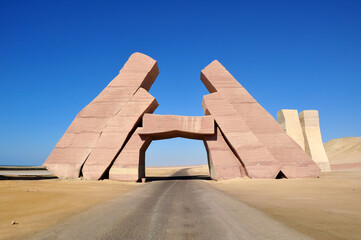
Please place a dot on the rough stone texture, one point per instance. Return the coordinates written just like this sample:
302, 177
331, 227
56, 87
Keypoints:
222, 162
111, 134
116, 133
313, 141
268, 135
130, 163
258, 161
289, 121
82, 135
170, 126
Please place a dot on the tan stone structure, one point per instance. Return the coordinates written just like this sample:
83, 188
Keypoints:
304, 129
313, 141
109, 137
289, 121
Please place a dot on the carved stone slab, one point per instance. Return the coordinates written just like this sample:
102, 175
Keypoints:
170, 126
290, 157
68, 156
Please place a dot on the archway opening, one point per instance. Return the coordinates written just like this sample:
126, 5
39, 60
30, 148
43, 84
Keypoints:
176, 159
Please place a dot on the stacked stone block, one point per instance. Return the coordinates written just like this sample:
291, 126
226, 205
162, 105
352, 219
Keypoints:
271, 149
109, 137
313, 140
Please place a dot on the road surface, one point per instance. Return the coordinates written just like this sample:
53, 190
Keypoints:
172, 209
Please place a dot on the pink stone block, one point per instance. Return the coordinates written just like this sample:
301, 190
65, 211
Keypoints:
64, 161
139, 71
257, 138
115, 94
238, 95
257, 118
223, 163
111, 142
87, 125
169, 126
103, 109
130, 163
78, 140
240, 138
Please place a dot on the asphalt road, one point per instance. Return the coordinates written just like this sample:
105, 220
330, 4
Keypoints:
172, 209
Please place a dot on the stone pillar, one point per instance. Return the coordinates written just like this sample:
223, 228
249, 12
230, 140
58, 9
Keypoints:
313, 141
130, 163
117, 133
78, 142
258, 161
289, 121
223, 164
255, 136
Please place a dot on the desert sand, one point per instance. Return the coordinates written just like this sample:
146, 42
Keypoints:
38, 204
344, 154
174, 171
324, 208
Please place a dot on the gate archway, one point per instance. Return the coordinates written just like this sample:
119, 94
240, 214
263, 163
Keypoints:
105, 136
176, 159
130, 163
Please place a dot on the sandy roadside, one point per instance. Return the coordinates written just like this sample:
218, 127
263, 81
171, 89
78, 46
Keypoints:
172, 170
39, 204
325, 208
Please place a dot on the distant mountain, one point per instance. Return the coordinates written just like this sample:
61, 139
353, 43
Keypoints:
344, 153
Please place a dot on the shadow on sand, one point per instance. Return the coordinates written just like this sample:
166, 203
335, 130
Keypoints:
194, 177
27, 177
25, 173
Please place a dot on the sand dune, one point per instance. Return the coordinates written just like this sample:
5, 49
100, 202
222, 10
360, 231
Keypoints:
344, 153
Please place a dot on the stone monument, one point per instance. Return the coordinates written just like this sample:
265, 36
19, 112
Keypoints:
305, 131
288, 119
313, 140
109, 137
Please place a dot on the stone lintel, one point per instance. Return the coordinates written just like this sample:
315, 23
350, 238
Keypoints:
171, 126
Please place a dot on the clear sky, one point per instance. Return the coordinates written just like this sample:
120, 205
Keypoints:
56, 56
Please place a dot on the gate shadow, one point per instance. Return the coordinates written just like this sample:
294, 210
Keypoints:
194, 177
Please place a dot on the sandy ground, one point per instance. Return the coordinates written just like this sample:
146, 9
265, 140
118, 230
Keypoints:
39, 204
326, 208
344, 154
168, 171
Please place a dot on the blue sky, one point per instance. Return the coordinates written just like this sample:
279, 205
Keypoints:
56, 56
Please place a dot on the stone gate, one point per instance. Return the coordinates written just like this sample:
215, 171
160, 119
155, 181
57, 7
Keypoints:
109, 137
